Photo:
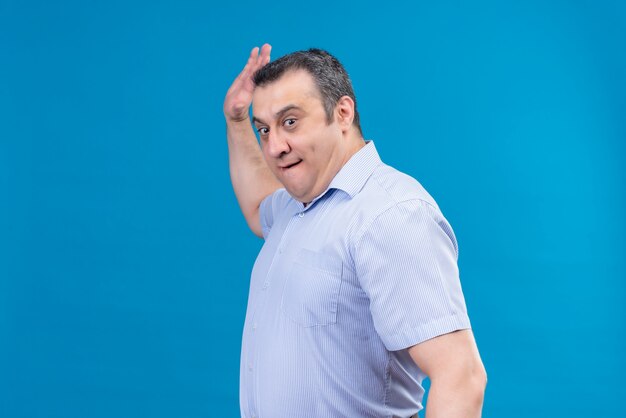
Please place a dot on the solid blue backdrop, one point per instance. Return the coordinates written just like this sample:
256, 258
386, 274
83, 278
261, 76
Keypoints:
124, 260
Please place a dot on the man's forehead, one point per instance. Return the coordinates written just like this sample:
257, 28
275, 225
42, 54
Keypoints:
295, 87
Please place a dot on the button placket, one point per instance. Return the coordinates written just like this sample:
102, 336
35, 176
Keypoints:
260, 308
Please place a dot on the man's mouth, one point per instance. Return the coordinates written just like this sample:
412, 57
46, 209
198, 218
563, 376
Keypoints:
287, 167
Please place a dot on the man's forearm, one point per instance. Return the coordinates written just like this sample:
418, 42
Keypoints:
251, 177
456, 399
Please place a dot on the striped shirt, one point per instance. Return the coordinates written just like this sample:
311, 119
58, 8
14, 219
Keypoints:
340, 290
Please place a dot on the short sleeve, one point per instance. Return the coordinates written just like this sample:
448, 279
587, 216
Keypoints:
269, 208
406, 262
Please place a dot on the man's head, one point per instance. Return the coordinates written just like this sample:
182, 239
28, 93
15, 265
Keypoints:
330, 77
304, 143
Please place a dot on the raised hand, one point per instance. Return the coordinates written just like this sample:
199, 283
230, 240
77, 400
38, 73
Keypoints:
239, 95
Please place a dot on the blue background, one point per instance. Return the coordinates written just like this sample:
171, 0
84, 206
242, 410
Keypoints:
124, 260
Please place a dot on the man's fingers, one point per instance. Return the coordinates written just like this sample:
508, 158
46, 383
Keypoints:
265, 54
251, 61
258, 58
254, 53
262, 58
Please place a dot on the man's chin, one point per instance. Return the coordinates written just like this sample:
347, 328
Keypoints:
296, 194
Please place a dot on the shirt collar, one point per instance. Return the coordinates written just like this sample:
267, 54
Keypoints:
353, 175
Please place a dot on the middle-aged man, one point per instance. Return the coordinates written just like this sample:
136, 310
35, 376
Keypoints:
355, 296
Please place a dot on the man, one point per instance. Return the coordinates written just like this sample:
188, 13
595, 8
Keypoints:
355, 296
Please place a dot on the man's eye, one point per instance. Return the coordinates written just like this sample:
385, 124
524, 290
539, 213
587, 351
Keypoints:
289, 122
262, 130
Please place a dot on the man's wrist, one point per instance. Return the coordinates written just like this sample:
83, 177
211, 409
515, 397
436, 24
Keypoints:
237, 121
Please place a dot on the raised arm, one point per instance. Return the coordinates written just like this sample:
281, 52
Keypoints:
251, 177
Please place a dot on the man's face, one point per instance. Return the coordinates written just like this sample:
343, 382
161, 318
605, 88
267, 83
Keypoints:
303, 151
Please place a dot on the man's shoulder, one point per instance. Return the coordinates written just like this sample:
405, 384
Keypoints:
279, 199
389, 199
389, 186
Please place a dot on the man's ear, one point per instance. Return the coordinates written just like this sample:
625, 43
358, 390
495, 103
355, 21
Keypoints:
344, 112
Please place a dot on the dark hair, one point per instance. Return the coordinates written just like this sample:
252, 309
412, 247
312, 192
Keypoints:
330, 77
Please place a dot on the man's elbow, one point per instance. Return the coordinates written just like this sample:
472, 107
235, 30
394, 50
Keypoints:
473, 387
466, 385
477, 383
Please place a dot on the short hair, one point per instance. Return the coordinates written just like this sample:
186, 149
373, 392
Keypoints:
329, 75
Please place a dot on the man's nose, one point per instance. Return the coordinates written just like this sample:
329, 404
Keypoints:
277, 145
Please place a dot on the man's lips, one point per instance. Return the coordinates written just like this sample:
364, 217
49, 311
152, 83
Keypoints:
288, 166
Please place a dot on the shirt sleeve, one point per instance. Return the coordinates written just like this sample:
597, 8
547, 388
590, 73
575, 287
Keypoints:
406, 261
268, 208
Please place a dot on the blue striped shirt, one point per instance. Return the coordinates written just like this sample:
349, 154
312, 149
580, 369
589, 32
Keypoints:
341, 289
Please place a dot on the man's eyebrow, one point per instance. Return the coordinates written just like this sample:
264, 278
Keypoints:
278, 114
286, 109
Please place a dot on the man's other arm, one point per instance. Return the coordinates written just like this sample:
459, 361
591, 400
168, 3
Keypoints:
458, 377
251, 177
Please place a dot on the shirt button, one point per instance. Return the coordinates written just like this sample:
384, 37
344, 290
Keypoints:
301, 214
265, 285
254, 326
253, 415
250, 366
